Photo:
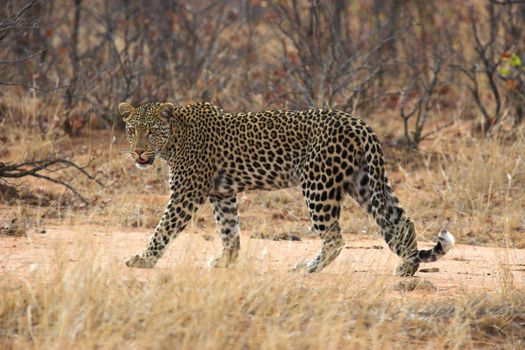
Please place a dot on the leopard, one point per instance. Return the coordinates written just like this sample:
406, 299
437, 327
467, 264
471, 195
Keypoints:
215, 155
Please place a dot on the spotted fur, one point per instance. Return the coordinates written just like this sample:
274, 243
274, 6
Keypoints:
215, 155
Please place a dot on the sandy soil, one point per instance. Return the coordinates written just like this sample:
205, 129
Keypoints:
464, 269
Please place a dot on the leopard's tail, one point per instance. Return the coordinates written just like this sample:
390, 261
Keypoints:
399, 232
444, 244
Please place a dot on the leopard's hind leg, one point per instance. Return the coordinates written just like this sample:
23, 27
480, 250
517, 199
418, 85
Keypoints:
323, 195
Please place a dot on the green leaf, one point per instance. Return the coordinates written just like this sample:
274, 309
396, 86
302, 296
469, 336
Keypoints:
515, 60
504, 71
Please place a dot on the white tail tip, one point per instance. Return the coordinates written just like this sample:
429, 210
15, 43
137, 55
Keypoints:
447, 240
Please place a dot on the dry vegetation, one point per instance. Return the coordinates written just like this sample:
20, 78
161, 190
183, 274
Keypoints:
90, 302
451, 121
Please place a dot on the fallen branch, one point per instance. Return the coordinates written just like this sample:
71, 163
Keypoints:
33, 168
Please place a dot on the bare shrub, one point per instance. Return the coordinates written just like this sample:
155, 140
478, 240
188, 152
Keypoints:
330, 56
494, 33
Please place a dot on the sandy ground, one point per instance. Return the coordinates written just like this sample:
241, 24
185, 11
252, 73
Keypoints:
463, 269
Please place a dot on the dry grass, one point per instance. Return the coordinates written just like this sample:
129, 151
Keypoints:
473, 186
94, 303
86, 298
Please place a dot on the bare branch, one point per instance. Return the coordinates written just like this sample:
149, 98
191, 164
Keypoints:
33, 168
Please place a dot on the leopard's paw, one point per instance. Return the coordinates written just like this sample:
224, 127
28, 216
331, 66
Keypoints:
220, 262
308, 266
138, 261
406, 269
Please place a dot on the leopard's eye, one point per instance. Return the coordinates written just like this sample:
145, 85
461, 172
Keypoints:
131, 129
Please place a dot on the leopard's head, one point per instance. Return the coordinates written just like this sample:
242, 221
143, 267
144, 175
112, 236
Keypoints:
147, 129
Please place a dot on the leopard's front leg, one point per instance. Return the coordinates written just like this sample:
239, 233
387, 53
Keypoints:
181, 206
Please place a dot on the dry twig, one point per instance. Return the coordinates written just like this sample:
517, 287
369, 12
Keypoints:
34, 168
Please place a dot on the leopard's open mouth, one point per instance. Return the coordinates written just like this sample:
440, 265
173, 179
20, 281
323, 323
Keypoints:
142, 163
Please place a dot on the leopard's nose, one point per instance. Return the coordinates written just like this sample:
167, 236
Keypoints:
139, 152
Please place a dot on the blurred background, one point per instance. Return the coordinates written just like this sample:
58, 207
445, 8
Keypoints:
77, 59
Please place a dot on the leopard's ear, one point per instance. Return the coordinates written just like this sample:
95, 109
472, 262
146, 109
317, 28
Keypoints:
125, 110
166, 111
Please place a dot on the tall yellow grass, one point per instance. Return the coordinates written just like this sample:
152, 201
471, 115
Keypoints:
90, 302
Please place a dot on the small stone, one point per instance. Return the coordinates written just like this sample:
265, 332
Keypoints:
415, 284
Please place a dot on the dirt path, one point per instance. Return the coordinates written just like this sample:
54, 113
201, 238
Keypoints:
464, 269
